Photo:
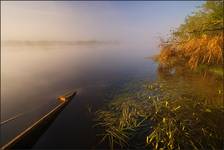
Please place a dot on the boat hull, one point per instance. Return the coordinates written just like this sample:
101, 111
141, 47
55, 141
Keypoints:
29, 136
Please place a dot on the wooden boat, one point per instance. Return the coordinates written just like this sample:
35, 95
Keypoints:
28, 137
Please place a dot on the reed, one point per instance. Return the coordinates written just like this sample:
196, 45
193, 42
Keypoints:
199, 40
162, 116
193, 52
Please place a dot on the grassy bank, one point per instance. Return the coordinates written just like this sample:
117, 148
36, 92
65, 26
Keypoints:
198, 41
184, 107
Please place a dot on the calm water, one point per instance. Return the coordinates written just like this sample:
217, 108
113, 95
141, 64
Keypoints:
33, 76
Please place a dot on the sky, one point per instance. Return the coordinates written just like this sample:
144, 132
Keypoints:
124, 21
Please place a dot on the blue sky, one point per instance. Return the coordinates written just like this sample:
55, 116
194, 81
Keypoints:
126, 21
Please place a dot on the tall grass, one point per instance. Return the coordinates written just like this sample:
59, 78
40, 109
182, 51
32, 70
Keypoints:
199, 40
197, 50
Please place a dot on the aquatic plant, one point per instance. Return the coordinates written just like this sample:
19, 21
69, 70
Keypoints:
176, 123
163, 116
172, 113
119, 121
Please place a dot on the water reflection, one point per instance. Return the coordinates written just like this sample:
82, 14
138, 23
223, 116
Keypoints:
32, 77
166, 113
204, 84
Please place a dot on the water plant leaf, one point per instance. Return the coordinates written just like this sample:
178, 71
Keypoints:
208, 110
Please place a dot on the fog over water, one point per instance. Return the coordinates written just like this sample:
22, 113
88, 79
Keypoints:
49, 48
134, 23
33, 76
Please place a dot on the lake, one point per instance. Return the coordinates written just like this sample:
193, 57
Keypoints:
32, 77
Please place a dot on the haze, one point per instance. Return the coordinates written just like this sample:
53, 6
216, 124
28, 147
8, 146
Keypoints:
133, 23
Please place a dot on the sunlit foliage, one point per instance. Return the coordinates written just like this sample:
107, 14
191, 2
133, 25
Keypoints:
198, 41
175, 112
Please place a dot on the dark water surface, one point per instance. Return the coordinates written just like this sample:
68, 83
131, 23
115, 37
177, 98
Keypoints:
32, 77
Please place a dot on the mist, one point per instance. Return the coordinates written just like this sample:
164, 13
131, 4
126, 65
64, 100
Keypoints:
132, 24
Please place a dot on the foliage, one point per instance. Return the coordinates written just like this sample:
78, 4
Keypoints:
172, 113
207, 20
198, 41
